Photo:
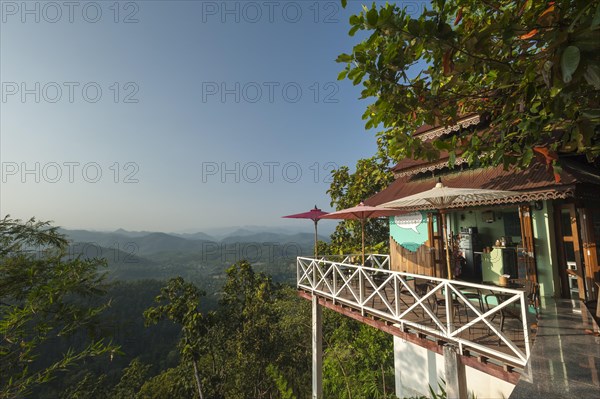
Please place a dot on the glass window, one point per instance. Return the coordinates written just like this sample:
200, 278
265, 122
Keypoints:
565, 222
596, 227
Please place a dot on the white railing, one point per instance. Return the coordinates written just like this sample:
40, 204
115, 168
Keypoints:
422, 303
377, 261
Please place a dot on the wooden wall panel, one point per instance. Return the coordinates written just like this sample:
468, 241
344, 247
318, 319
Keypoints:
418, 262
427, 260
528, 241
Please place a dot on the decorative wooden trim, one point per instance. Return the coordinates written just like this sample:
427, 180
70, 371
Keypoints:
429, 168
520, 198
440, 131
433, 134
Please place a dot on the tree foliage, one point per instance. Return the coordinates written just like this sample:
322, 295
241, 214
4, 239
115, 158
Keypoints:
358, 360
88, 387
179, 302
45, 296
253, 342
255, 345
348, 189
176, 382
531, 67
133, 378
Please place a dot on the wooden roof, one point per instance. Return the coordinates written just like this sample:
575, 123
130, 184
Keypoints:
533, 183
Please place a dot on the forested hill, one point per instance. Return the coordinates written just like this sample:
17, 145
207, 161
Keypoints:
198, 256
224, 331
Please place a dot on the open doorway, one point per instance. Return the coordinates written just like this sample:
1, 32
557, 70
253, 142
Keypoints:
570, 264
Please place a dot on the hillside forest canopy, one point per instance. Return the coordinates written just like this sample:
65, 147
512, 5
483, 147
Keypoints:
70, 330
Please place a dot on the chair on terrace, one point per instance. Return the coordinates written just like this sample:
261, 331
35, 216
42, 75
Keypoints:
439, 300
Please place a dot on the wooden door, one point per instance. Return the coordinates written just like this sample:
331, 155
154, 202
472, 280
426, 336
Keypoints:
569, 251
438, 257
527, 254
590, 238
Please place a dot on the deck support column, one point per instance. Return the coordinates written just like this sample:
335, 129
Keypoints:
317, 349
456, 382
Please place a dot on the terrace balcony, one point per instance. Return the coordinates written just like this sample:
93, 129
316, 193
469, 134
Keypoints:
491, 327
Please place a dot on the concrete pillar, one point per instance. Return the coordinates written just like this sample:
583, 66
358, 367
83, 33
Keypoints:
398, 366
456, 382
317, 349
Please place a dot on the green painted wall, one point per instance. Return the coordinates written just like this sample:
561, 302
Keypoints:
543, 231
545, 251
492, 267
488, 232
412, 234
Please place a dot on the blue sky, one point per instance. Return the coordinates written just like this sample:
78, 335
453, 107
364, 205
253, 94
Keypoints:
174, 115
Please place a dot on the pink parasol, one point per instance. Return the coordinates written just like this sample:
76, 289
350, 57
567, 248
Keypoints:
314, 214
362, 212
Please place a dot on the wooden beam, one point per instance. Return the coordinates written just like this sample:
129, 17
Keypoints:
491, 369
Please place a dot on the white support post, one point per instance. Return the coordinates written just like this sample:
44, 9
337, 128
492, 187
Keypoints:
456, 384
317, 349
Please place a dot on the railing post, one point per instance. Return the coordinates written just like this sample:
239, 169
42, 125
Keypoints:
314, 273
525, 318
396, 296
361, 290
449, 307
334, 270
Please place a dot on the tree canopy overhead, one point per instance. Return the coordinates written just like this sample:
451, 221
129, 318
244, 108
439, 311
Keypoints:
347, 189
531, 67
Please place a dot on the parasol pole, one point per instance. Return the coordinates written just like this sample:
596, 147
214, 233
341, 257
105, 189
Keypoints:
362, 227
444, 240
316, 250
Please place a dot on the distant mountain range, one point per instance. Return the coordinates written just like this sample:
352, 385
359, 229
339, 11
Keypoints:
134, 255
326, 227
148, 243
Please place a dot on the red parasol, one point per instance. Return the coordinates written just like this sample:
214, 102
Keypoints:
314, 214
362, 212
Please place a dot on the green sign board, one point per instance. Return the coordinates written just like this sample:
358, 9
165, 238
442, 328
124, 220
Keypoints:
409, 230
